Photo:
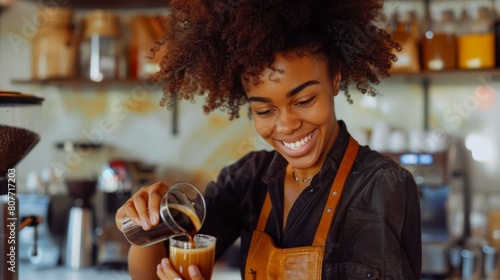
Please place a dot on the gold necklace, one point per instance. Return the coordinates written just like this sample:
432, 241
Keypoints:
297, 178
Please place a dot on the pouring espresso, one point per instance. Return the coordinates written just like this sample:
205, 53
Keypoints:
182, 211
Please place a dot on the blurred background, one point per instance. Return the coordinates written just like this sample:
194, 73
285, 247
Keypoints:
103, 135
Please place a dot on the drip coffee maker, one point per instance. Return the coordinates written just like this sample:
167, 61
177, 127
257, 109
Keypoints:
18, 115
80, 179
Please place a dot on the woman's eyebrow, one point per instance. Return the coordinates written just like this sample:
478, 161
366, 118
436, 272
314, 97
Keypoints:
259, 99
291, 93
301, 87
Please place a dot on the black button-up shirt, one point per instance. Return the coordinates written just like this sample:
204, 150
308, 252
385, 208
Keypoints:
376, 230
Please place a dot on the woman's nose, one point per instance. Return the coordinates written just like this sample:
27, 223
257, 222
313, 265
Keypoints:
287, 123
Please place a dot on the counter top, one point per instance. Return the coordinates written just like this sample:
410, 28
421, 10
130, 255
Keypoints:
28, 271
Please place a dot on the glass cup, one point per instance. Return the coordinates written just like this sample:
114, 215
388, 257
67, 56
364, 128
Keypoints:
182, 211
199, 251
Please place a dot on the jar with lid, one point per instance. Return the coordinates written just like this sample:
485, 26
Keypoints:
55, 45
100, 49
439, 43
476, 39
406, 31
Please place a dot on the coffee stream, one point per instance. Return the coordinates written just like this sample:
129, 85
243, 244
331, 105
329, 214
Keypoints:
187, 219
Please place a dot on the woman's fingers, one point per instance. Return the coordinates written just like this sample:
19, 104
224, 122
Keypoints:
156, 193
165, 270
140, 206
143, 207
194, 273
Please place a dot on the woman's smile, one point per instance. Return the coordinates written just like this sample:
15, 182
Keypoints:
299, 147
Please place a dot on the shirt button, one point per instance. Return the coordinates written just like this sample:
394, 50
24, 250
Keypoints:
369, 275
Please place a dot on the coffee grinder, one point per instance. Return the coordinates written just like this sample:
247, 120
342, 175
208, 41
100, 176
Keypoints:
18, 115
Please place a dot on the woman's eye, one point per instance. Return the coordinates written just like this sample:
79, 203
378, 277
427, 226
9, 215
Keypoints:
264, 112
306, 102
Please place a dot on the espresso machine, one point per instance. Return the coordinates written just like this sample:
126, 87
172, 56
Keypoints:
118, 180
437, 174
18, 115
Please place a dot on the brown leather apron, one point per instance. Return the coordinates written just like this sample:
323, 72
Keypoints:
265, 261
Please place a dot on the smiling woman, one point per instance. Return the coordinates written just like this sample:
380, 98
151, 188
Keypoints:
318, 206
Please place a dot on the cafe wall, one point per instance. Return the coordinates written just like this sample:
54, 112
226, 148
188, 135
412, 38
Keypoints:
128, 117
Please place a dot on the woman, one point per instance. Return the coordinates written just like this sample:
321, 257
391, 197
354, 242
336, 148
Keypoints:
332, 208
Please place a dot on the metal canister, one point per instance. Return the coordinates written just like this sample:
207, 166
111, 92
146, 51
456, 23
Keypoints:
491, 262
471, 263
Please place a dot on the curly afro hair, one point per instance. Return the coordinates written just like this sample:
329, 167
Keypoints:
211, 44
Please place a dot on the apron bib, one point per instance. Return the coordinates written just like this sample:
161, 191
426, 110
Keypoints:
266, 261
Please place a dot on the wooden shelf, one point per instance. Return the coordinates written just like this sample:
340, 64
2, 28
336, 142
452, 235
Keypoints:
114, 4
79, 82
455, 76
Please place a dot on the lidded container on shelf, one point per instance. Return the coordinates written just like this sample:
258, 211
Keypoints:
476, 39
145, 32
55, 45
439, 43
101, 46
406, 31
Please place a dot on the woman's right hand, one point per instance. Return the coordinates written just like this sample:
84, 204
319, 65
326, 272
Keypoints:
143, 207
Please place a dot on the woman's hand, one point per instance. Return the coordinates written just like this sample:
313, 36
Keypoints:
143, 207
165, 271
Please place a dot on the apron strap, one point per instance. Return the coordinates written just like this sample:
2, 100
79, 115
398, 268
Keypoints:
331, 204
336, 192
264, 214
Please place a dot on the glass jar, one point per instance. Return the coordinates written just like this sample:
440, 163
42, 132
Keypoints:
407, 33
439, 44
476, 41
100, 48
55, 45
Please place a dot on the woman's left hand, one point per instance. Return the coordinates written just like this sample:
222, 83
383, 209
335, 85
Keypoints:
165, 271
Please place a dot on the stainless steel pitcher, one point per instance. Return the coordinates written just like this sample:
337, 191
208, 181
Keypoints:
79, 242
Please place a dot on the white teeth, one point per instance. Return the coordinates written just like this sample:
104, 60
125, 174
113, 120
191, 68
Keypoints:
297, 145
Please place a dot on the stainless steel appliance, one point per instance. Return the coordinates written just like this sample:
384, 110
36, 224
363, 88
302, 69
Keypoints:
118, 180
436, 174
79, 165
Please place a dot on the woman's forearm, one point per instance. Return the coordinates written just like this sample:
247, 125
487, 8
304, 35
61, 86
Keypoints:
142, 261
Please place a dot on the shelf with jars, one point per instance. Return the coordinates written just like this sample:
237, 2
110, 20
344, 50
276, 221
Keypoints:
436, 44
444, 42
112, 4
98, 49
449, 41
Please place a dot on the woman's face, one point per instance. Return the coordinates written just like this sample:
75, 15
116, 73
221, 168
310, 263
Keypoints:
293, 109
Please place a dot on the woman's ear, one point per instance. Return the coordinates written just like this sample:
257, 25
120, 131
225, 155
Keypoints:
336, 79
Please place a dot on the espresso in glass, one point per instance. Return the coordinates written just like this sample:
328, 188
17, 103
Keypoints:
198, 250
